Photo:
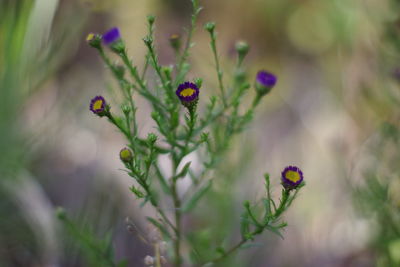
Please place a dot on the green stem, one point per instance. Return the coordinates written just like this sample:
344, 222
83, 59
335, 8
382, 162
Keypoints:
218, 68
185, 53
133, 71
177, 241
256, 100
157, 67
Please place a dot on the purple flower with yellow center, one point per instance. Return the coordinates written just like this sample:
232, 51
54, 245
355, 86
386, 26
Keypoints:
264, 82
188, 93
292, 177
98, 106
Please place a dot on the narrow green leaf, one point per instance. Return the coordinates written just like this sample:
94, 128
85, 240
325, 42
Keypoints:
274, 230
159, 226
188, 206
244, 224
183, 172
267, 207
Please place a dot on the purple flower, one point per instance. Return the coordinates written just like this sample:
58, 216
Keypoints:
292, 177
111, 36
98, 105
266, 79
188, 93
264, 82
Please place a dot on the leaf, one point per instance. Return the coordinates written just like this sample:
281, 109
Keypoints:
251, 245
274, 230
188, 206
244, 224
267, 206
183, 172
159, 226
163, 183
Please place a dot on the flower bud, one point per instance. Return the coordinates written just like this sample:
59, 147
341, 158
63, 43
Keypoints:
126, 155
210, 26
151, 19
152, 138
112, 38
242, 48
198, 82
94, 40
126, 109
264, 82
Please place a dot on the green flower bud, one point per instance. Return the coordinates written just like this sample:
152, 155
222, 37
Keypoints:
126, 109
151, 19
148, 40
198, 82
126, 155
242, 48
94, 40
151, 138
210, 26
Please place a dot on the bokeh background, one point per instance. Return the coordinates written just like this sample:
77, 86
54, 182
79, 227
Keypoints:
334, 112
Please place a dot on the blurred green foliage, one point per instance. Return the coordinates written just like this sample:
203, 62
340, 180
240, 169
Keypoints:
378, 195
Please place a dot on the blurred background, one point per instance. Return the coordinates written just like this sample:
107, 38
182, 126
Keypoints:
334, 113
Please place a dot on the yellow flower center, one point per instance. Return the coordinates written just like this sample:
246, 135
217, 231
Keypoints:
90, 37
187, 92
98, 104
293, 176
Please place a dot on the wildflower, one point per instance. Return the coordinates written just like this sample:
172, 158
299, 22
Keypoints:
94, 40
98, 106
126, 155
112, 38
188, 93
292, 177
264, 82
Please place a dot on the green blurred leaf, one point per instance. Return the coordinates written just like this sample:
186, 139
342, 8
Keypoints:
159, 226
188, 206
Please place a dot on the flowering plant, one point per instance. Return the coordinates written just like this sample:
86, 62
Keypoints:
207, 134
